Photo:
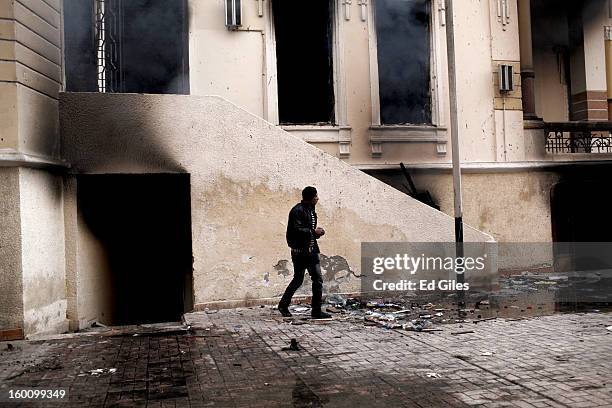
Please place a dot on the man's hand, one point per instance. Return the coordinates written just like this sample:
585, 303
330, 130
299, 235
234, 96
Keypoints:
319, 232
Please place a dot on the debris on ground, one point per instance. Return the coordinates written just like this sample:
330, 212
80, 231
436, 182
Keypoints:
293, 346
417, 325
462, 332
433, 375
333, 309
336, 300
100, 371
514, 297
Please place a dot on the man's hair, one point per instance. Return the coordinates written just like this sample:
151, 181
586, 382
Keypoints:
309, 193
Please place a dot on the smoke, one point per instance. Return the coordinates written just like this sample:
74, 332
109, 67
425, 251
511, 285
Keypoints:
79, 46
403, 36
153, 43
146, 45
549, 26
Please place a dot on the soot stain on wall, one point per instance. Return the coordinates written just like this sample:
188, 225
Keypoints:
282, 268
336, 270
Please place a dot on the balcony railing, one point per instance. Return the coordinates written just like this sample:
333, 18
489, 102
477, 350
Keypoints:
578, 137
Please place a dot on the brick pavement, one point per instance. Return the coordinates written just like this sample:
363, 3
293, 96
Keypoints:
235, 358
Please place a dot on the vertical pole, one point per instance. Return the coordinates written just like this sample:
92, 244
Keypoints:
526, 48
608, 45
452, 82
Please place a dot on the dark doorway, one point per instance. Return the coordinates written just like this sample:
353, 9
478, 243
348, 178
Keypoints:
304, 61
578, 209
143, 222
581, 229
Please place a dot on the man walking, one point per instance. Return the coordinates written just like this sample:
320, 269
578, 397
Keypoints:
302, 236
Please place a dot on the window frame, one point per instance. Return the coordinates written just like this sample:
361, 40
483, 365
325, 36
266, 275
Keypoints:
337, 132
436, 72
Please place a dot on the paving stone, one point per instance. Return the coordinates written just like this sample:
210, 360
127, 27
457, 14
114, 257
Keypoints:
235, 358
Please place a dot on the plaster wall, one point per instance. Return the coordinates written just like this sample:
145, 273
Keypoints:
228, 63
587, 58
30, 75
240, 66
71, 250
43, 256
552, 104
11, 304
242, 187
504, 35
38, 123
8, 116
88, 277
509, 135
513, 207
357, 72
595, 15
93, 279
474, 81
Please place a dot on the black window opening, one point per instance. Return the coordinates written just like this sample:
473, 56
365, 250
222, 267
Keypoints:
303, 33
128, 46
403, 37
79, 46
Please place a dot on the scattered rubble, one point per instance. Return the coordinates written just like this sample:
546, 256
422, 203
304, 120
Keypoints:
100, 371
515, 297
462, 332
293, 346
399, 314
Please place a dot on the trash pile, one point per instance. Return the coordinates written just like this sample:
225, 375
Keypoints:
399, 314
570, 291
531, 282
516, 297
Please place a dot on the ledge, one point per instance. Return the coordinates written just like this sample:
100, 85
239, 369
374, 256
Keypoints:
14, 158
533, 123
320, 134
407, 133
484, 167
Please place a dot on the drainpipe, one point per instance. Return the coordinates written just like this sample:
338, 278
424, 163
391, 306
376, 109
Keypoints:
454, 121
608, 34
526, 51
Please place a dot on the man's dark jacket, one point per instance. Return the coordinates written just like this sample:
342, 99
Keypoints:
300, 228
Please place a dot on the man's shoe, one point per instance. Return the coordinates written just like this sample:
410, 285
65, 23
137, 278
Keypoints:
321, 315
284, 311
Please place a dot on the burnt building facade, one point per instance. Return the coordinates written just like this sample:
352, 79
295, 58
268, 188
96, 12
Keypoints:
150, 149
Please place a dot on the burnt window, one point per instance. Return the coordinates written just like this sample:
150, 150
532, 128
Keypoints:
403, 37
79, 46
137, 46
304, 61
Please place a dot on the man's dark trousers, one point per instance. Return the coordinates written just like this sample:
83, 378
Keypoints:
301, 263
